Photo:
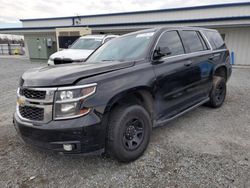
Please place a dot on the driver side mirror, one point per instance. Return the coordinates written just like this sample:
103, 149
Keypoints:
161, 52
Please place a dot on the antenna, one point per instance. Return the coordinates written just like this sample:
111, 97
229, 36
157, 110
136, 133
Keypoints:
78, 21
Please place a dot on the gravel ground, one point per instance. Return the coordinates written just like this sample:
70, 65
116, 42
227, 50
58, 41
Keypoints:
204, 148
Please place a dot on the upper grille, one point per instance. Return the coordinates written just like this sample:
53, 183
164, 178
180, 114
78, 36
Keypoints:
32, 113
33, 94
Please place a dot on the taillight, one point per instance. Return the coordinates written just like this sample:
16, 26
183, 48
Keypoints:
228, 59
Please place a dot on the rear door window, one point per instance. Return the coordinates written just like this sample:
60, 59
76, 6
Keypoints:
172, 41
214, 39
193, 41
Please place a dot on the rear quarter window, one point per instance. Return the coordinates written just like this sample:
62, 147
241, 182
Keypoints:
215, 39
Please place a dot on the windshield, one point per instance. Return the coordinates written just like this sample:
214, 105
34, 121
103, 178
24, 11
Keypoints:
87, 43
124, 48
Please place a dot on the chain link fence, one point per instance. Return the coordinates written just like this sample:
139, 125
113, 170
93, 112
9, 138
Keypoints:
11, 49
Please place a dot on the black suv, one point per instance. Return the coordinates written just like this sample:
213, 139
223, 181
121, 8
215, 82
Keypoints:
110, 103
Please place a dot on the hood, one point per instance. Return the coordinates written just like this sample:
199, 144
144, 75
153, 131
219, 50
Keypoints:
74, 54
68, 74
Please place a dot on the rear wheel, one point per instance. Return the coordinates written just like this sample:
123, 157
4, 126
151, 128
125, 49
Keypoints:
218, 93
129, 132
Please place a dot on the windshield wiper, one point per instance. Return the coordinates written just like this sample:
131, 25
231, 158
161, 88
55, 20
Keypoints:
107, 60
121, 60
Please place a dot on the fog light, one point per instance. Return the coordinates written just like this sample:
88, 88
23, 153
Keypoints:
68, 147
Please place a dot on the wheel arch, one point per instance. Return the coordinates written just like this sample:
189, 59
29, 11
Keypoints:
221, 71
142, 95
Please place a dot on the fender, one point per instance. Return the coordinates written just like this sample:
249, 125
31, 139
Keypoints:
144, 91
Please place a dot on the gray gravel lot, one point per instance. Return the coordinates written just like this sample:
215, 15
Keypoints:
204, 148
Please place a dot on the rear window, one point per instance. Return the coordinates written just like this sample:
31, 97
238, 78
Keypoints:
214, 39
193, 41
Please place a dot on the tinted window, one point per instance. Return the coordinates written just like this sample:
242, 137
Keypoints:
193, 41
171, 40
214, 39
202, 41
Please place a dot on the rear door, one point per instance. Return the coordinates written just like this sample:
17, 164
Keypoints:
173, 76
220, 53
200, 69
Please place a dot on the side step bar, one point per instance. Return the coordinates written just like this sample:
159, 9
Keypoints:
163, 122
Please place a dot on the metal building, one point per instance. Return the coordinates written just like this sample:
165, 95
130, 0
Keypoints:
232, 20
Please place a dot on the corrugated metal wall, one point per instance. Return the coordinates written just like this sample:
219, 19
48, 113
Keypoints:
238, 41
48, 23
168, 15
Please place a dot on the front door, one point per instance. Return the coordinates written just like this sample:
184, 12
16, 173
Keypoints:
173, 75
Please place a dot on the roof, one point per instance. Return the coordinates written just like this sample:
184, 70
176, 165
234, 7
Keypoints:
182, 28
143, 12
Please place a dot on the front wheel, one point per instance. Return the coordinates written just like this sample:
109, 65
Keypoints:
129, 132
218, 92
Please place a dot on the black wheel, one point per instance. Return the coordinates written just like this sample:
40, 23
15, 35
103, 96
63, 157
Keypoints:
218, 93
129, 132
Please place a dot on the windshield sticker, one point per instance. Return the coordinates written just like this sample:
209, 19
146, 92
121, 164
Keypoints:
145, 35
98, 39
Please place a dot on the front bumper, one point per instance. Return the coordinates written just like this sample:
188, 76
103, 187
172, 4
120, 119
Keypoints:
86, 134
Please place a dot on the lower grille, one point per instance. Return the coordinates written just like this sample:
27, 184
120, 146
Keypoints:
32, 113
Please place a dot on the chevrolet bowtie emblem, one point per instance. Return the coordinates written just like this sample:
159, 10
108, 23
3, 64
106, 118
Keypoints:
21, 101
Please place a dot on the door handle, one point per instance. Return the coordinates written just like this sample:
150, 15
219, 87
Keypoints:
188, 63
211, 57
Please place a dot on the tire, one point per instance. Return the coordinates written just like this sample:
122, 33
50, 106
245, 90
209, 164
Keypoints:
218, 92
128, 132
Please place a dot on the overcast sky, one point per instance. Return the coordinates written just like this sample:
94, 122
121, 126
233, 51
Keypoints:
13, 10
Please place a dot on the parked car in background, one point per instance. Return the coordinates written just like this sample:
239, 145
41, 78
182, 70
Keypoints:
127, 86
79, 50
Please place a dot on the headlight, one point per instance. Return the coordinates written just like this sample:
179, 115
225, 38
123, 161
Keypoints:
66, 95
50, 61
69, 101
